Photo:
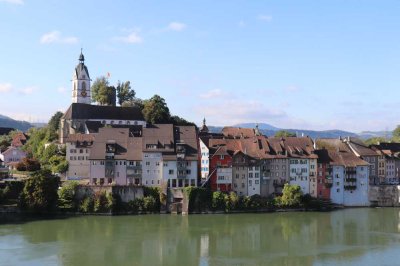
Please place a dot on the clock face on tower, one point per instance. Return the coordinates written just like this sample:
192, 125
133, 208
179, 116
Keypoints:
83, 93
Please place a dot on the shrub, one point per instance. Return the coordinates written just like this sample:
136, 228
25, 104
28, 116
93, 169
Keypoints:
101, 203
218, 201
136, 205
150, 204
231, 201
67, 196
87, 205
291, 196
28, 164
13, 189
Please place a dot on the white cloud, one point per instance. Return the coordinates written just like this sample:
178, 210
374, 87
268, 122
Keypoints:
241, 24
57, 37
133, 38
5, 87
27, 90
15, 2
212, 94
176, 26
264, 17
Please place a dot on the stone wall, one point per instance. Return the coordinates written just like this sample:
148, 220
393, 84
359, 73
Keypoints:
127, 193
384, 195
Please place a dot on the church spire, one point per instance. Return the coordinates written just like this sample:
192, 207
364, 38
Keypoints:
204, 128
81, 57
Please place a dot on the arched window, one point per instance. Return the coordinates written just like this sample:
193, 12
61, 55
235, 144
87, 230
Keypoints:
83, 85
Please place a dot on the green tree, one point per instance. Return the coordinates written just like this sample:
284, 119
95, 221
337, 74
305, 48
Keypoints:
102, 92
284, 133
291, 196
375, 140
396, 134
179, 121
156, 110
53, 126
124, 92
68, 195
218, 201
40, 192
136, 102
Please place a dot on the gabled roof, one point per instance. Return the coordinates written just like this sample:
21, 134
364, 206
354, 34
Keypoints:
102, 112
338, 153
80, 137
360, 148
19, 140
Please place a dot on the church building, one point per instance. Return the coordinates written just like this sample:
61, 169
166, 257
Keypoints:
83, 117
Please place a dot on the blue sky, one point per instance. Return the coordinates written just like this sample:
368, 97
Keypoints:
293, 64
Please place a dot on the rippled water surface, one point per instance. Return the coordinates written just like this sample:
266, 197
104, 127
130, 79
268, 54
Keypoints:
346, 237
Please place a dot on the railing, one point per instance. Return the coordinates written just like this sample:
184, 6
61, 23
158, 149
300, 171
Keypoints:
350, 187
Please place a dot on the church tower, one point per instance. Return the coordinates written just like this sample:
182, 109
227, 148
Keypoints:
81, 83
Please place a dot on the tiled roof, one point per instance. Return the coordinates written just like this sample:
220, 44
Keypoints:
360, 148
81, 137
238, 132
158, 138
19, 140
338, 153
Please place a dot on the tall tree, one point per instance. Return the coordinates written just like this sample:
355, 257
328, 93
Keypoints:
155, 110
124, 92
102, 92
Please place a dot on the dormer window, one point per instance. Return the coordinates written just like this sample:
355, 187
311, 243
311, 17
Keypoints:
151, 146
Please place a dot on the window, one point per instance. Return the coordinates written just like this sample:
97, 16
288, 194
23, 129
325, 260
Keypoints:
147, 163
250, 175
188, 171
221, 157
165, 164
171, 171
157, 163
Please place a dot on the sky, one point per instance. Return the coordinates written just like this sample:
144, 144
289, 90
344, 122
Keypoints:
292, 64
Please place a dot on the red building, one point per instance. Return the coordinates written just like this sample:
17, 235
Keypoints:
324, 174
220, 169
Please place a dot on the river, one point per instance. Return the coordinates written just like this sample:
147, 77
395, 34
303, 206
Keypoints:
364, 236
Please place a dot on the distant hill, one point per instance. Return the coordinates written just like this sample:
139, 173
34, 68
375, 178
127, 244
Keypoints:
6, 121
374, 134
263, 126
269, 131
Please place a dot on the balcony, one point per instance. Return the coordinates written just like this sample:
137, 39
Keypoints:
350, 187
351, 172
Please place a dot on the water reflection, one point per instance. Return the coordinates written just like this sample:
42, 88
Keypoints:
336, 238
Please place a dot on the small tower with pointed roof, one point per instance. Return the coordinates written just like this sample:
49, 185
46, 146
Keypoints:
204, 128
81, 92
